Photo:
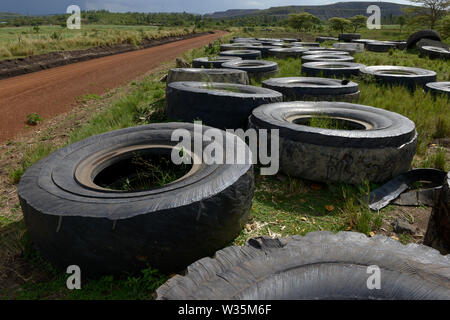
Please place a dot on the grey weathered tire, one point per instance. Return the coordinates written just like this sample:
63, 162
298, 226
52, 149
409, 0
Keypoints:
73, 221
256, 69
381, 147
285, 53
212, 63
317, 266
438, 88
397, 75
224, 106
235, 46
422, 34
243, 54
323, 39
305, 44
435, 52
327, 57
207, 75
380, 46
348, 37
332, 69
264, 49
313, 89
438, 231
325, 51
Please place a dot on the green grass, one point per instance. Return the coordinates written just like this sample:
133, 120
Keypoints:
282, 205
16, 42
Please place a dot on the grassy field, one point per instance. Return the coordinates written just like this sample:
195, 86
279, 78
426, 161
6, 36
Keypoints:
282, 205
16, 42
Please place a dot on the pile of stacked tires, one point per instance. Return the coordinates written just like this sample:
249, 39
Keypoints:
73, 219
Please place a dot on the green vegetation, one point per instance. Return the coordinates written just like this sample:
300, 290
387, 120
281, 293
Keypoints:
33, 119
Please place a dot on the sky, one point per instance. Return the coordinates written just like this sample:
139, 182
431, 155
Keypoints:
34, 7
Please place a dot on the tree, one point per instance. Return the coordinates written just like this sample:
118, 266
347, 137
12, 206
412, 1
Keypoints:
401, 20
339, 24
302, 21
358, 22
429, 12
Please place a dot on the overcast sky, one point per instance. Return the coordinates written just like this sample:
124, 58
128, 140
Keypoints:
192, 6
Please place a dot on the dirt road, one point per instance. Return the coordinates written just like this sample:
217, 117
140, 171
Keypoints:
54, 91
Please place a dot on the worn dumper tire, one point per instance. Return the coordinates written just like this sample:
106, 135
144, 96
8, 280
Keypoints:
397, 75
439, 88
422, 34
332, 69
207, 75
243, 54
212, 63
314, 89
220, 105
317, 266
374, 144
256, 69
74, 220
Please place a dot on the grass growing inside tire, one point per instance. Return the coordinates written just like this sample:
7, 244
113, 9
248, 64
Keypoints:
326, 122
282, 206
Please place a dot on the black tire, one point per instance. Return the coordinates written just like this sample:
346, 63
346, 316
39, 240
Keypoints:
348, 37
432, 43
439, 88
214, 105
397, 75
285, 53
315, 89
208, 75
323, 39
256, 69
380, 46
324, 52
422, 34
212, 63
305, 44
319, 265
438, 231
331, 50
235, 46
329, 57
435, 52
73, 221
288, 40
332, 69
243, 54
363, 41
264, 49
381, 145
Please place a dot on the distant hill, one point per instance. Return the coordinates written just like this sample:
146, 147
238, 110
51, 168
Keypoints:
323, 12
8, 15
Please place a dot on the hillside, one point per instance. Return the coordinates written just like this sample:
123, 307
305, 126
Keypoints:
8, 15
324, 12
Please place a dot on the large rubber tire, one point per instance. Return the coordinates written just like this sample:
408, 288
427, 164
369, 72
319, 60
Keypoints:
397, 75
326, 51
348, 37
285, 53
74, 222
381, 147
264, 49
438, 232
305, 44
256, 69
225, 106
422, 34
323, 39
236, 46
349, 46
332, 69
319, 265
380, 46
313, 89
330, 57
212, 63
243, 54
207, 75
438, 88
435, 52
